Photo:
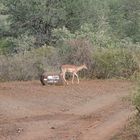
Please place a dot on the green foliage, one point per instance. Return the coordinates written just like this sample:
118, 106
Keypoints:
23, 43
110, 57
111, 19
101, 62
5, 45
4, 24
35, 16
100, 38
60, 35
124, 18
28, 65
76, 51
103, 34
116, 62
137, 98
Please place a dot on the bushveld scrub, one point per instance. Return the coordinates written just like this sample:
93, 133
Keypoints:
101, 62
27, 65
114, 62
132, 129
104, 60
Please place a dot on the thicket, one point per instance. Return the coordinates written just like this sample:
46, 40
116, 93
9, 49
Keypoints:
40, 35
102, 62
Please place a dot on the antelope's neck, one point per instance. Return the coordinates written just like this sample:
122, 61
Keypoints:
80, 68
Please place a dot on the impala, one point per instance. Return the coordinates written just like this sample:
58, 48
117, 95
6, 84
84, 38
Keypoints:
71, 69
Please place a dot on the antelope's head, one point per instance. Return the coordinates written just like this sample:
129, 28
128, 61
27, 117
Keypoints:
85, 67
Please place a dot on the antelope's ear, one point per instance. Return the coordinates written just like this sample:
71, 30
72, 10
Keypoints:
85, 66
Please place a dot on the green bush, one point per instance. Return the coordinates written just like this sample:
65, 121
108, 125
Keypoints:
76, 51
137, 99
29, 65
113, 62
103, 56
101, 62
5, 45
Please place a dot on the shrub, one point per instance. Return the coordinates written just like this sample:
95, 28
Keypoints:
137, 99
5, 46
104, 56
77, 52
29, 65
113, 62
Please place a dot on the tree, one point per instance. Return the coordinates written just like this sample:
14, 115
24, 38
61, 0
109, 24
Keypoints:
38, 17
124, 19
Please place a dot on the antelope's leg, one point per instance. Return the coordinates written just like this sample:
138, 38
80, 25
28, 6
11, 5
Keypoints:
72, 78
77, 77
64, 75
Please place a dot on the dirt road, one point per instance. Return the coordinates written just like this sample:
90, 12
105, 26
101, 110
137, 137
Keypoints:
92, 110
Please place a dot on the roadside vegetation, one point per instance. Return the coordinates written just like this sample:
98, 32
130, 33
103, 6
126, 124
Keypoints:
132, 130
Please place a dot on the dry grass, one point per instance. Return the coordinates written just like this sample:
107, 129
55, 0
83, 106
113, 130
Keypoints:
131, 130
